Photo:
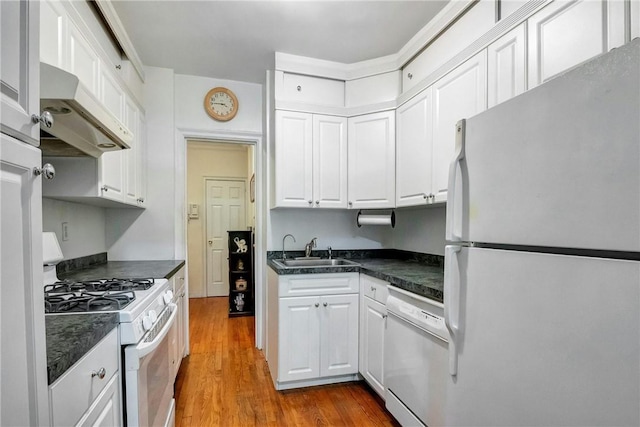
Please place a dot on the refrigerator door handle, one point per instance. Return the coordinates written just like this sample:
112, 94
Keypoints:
453, 235
452, 303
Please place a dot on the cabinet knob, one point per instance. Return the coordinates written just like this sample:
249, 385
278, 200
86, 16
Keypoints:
317, 304
317, 202
47, 171
211, 242
424, 196
45, 119
384, 316
299, 88
350, 203
410, 76
324, 304
118, 67
310, 202
100, 373
373, 289
105, 188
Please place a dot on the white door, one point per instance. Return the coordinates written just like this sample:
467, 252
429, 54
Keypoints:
299, 335
414, 151
294, 159
543, 337
374, 321
339, 335
458, 95
23, 389
372, 161
329, 161
225, 202
20, 69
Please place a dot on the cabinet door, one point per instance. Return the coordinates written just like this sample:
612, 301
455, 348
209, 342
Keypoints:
105, 411
372, 327
414, 151
82, 59
111, 94
371, 159
20, 69
299, 331
131, 155
23, 389
141, 159
564, 34
330, 161
506, 66
339, 335
112, 172
53, 27
294, 177
458, 95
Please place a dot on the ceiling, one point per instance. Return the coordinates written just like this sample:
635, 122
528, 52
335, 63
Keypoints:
236, 40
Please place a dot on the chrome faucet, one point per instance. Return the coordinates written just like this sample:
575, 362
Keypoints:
329, 250
284, 256
309, 247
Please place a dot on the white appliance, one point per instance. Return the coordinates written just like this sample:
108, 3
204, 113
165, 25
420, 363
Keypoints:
79, 118
146, 314
542, 274
415, 359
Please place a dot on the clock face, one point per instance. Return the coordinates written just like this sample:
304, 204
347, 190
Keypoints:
221, 104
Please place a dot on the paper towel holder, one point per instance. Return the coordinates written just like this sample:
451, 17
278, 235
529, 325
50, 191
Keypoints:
376, 218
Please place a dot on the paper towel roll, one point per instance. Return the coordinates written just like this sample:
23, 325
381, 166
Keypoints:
388, 218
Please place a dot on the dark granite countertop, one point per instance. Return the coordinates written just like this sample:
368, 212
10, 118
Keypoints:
125, 270
411, 274
71, 336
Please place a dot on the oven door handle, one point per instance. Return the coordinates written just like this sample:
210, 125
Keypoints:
144, 348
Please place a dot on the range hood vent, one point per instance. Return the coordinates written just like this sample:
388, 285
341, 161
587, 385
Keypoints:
80, 120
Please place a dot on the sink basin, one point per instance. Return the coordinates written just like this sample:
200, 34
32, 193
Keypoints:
293, 263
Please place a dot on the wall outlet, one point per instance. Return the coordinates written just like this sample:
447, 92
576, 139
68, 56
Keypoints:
65, 231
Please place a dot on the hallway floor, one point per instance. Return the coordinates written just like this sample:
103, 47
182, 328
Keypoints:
226, 382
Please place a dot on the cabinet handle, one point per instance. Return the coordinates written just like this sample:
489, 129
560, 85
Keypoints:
324, 304
310, 202
105, 188
46, 119
317, 202
299, 88
317, 304
47, 171
100, 373
350, 203
118, 67
384, 316
410, 76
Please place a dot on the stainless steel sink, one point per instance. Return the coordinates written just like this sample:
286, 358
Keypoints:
298, 263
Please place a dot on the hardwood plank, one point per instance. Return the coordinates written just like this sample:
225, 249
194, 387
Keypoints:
226, 382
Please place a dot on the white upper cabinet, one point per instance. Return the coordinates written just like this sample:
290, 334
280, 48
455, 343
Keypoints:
507, 66
53, 30
309, 90
329, 161
112, 173
371, 161
111, 94
82, 60
294, 159
459, 95
414, 151
19, 69
141, 156
131, 193
564, 34
311, 160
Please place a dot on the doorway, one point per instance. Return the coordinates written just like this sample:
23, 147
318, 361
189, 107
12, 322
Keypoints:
218, 174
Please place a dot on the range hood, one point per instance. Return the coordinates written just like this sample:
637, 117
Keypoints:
81, 124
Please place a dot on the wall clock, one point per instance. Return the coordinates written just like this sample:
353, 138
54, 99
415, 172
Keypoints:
221, 104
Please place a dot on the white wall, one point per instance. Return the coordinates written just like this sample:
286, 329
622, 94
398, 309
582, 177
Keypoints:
85, 225
336, 228
419, 230
149, 234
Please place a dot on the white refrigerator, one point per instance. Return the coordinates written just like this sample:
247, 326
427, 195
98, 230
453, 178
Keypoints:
542, 265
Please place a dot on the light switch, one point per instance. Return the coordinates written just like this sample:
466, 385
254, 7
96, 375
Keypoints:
65, 231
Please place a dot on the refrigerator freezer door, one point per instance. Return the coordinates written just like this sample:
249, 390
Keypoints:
558, 166
545, 340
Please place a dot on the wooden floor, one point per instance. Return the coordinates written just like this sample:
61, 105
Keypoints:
226, 382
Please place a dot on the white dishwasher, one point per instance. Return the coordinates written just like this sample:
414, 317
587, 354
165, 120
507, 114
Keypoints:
416, 359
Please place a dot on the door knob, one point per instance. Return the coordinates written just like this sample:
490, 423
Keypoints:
46, 119
47, 171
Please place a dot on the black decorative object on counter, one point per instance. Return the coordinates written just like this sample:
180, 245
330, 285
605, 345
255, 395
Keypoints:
241, 277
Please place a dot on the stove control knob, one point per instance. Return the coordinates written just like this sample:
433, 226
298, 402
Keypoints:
168, 297
153, 316
146, 323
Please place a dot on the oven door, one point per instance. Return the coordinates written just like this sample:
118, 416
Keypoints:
148, 377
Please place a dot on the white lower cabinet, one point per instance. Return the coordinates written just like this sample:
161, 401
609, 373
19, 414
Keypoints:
373, 322
312, 339
88, 394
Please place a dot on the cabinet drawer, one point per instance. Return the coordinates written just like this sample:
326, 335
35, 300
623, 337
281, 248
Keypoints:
318, 284
312, 90
374, 288
74, 392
